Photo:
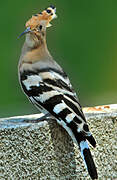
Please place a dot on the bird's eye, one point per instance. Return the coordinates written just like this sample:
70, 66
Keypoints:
35, 15
48, 11
40, 27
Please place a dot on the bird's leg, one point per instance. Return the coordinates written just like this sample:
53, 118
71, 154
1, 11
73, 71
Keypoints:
47, 116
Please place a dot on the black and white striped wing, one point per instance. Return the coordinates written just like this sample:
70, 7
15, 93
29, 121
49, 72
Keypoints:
52, 91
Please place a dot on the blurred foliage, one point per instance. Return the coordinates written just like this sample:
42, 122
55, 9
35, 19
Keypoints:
83, 39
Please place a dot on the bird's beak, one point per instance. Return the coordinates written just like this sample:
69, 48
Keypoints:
26, 31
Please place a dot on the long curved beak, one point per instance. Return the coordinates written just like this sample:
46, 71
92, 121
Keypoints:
26, 31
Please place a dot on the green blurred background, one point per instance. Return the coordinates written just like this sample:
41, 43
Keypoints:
83, 39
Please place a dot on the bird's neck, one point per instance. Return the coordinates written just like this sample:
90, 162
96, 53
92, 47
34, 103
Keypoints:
34, 49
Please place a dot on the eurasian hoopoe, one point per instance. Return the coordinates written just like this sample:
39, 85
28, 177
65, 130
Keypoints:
48, 87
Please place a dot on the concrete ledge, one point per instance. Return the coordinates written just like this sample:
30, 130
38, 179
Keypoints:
34, 148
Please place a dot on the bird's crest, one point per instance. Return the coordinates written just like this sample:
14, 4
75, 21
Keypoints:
45, 16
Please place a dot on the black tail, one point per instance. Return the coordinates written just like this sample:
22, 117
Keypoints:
86, 154
87, 157
88, 160
80, 137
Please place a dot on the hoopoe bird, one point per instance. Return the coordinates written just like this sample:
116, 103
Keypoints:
48, 87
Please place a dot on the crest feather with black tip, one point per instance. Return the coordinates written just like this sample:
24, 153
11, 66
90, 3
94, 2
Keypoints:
46, 15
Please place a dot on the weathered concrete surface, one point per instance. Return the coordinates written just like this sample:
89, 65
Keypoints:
43, 150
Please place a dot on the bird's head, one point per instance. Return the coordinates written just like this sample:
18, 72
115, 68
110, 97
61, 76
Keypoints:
36, 26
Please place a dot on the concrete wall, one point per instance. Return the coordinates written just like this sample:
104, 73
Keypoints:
30, 149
